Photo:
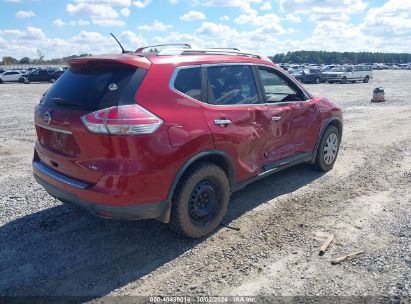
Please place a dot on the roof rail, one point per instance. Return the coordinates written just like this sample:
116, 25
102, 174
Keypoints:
210, 51
140, 50
233, 49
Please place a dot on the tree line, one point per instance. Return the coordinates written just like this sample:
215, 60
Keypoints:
322, 57
8, 60
318, 57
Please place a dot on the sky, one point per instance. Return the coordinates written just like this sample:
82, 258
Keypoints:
65, 27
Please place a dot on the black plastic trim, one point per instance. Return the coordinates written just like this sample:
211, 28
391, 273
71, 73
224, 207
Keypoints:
276, 167
324, 127
204, 154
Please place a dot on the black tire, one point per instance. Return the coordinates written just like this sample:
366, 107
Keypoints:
330, 82
26, 80
322, 163
366, 79
344, 80
317, 80
200, 201
53, 80
1, 81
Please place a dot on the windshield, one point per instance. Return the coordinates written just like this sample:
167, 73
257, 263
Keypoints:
338, 69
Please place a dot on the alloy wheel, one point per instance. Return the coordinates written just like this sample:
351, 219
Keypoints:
330, 148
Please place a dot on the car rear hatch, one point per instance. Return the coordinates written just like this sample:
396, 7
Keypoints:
65, 143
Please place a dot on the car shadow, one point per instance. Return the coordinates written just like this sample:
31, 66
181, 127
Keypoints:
63, 250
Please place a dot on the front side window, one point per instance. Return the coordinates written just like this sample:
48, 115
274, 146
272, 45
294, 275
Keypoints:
188, 82
278, 88
231, 85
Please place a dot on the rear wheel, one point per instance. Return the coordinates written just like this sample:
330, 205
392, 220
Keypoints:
317, 80
366, 79
26, 80
327, 150
53, 80
344, 80
200, 201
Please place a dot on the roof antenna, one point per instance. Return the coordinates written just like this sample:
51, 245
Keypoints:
122, 49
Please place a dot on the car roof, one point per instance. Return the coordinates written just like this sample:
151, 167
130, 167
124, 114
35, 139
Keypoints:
183, 60
145, 61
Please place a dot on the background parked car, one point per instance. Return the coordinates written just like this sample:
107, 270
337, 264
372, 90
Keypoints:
349, 73
311, 75
38, 75
10, 76
54, 76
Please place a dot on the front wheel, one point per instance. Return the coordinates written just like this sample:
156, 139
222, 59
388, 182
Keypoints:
317, 80
327, 150
200, 201
366, 79
344, 80
26, 80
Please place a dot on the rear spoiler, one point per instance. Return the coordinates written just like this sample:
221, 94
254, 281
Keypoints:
128, 59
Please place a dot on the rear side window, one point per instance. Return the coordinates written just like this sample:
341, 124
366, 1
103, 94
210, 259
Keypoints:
92, 87
231, 84
188, 82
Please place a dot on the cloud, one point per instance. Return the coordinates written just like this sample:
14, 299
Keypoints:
268, 23
141, 3
319, 11
79, 22
193, 15
108, 22
293, 18
243, 5
225, 18
266, 6
25, 14
93, 10
157, 26
59, 23
393, 19
125, 12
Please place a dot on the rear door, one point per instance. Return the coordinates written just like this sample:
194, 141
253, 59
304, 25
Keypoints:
295, 122
238, 122
64, 144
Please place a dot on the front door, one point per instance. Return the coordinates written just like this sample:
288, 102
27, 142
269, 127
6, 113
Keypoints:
295, 122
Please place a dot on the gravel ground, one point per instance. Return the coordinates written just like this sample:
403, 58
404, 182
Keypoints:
47, 248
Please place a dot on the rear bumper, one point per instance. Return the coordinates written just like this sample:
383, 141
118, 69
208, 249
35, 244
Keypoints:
154, 210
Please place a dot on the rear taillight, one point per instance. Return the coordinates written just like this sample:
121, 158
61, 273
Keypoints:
128, 119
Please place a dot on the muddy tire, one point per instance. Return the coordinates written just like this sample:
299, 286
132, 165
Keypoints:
200, 201
327, 150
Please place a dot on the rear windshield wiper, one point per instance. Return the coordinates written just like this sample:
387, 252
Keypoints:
65, 102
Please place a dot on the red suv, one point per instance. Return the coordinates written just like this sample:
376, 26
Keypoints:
170, 134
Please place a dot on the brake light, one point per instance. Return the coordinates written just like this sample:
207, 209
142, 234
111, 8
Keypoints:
127, 119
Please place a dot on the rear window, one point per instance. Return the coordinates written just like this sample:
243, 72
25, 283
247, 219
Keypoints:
92, 87
188, 82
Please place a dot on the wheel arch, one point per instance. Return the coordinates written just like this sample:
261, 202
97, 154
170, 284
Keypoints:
333, 121
217, 157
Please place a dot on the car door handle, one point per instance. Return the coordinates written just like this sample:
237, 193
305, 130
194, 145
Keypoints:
222, 122
276, 117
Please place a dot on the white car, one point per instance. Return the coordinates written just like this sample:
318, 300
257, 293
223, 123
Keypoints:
10, 76
351, 73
